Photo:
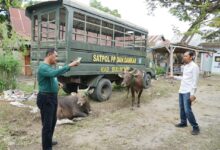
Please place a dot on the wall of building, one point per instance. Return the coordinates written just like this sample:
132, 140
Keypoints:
206, 62
216, 62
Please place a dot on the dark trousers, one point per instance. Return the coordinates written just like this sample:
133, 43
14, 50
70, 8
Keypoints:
47, 103
186, 110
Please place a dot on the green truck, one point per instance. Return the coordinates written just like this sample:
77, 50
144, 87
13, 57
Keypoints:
107, 44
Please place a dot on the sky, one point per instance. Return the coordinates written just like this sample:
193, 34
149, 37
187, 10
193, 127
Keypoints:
135, 11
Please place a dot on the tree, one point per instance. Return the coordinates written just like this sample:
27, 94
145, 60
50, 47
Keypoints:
31, 2
9, 39
199, 13
96, 4
9, 66
4, 7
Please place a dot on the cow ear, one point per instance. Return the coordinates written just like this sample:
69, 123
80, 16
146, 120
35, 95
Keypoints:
74, 94
90, 91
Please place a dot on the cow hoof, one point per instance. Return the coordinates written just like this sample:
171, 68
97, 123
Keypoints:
132, 108
138, 105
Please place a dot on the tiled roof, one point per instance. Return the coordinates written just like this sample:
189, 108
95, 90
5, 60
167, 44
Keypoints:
20, 23
157, 40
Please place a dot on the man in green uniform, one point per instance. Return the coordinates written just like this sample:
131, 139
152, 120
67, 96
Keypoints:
47, 96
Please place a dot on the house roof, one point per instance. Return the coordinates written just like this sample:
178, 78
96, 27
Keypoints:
210, 45
20, 23
157, 40
179, 48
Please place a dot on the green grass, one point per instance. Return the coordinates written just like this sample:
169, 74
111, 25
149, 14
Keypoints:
25, 87
116, 87
3, 145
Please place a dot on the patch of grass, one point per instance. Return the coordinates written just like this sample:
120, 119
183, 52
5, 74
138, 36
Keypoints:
17, 125
116, 87
27, 88
30, 102
208, 139
3, 145
3, 130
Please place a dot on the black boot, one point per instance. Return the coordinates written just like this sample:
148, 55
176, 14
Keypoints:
54, 143
181, 125
195, 131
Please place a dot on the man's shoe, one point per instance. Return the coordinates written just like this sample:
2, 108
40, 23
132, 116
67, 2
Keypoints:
181, 125
54, 143
195, 131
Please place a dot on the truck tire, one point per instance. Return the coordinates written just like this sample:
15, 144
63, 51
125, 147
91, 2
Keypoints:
103, 90
70, 87
148, 80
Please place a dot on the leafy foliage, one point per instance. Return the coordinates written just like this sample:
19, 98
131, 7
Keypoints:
4, 7
160, 70
9, 68
8, 64
198, 13
31, 2
5, 4
11, 40
96, 4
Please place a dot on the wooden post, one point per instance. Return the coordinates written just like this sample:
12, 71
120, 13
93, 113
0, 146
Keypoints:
196, 56
171, 60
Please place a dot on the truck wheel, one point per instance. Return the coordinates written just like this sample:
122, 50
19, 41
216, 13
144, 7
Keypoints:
148, 80
103, 90
70, 87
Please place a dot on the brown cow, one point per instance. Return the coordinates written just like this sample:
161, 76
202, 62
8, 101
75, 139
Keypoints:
74, 105
133, 79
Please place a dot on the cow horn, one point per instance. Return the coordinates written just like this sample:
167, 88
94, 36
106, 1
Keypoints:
133, 71
120, 75
88, 91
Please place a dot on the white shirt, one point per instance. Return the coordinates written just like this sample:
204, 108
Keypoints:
189, 79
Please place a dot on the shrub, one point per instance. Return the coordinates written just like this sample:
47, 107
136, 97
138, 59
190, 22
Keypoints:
9, 68
160, 70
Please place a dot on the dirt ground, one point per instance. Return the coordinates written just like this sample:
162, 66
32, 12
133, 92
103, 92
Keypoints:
112, 125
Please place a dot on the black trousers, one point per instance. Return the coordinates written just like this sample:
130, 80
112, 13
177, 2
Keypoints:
47, 103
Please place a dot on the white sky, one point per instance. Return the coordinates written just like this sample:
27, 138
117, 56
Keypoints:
135, 12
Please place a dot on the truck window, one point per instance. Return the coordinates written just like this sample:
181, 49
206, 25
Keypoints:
35, 29
92, 29
78, 32
119, 36
62, 28
106, 34
129, 39
48, 26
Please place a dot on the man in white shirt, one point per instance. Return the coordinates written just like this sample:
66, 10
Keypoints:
187, 91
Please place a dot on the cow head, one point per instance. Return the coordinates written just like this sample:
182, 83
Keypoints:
82, 99
127, 76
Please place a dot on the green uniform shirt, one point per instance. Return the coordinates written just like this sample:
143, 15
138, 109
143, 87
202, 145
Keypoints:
46, 77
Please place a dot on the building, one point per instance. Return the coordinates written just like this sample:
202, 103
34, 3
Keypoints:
211, 62
22, 26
